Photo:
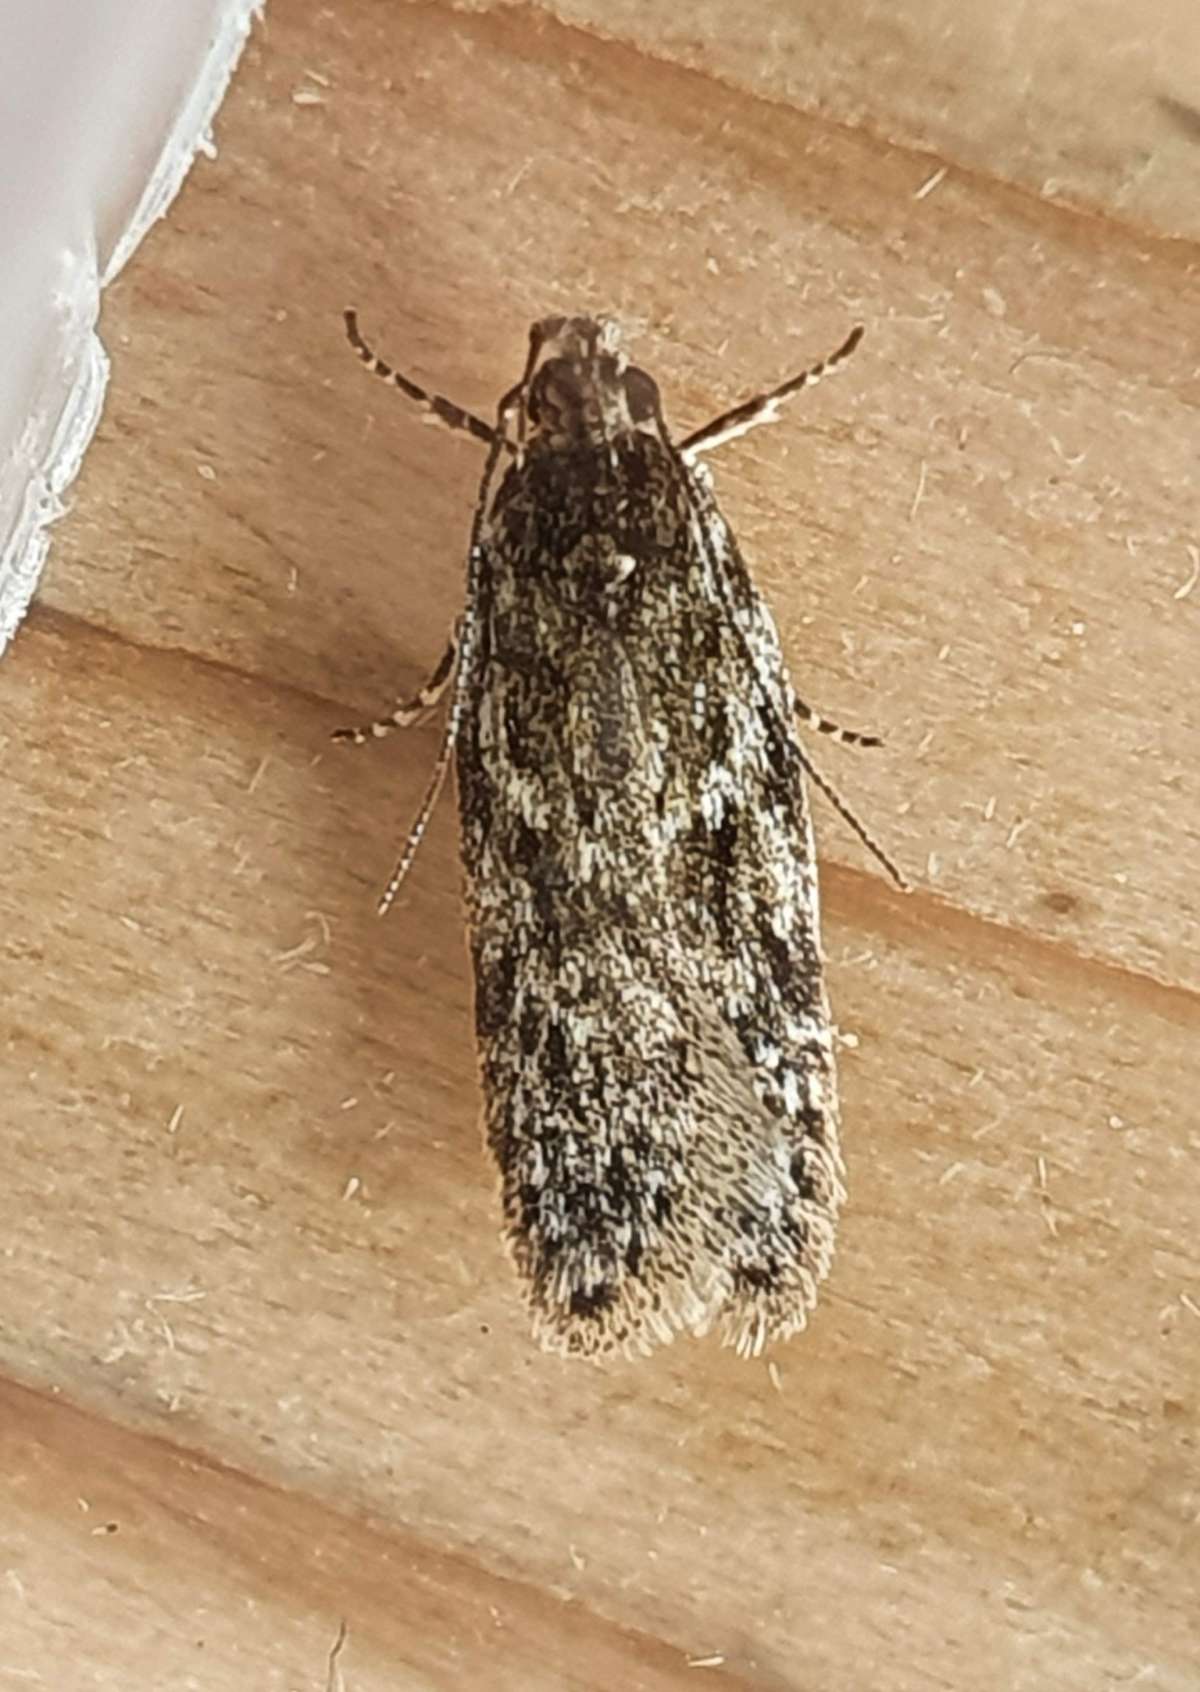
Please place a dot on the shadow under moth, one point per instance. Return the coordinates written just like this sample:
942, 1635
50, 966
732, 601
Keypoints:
654, 1035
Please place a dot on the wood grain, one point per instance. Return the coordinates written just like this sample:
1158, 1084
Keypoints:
1089, 105
255, 1311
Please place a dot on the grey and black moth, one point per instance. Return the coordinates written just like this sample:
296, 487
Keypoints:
654, 1035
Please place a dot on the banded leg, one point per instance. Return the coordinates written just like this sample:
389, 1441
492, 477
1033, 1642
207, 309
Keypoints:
417, 708
453, 416
417, 832
764, 408
823, 725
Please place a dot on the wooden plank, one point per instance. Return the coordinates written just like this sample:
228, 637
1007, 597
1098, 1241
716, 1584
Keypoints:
1082, 103
130, 1563
982, 1445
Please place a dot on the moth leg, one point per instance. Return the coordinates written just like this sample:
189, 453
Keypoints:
824, 725
417, 832
764, 408
847, 815
416, 708
453, 416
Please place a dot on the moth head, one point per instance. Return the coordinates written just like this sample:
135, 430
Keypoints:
579, 387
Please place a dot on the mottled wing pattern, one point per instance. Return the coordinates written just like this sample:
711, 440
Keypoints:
749, 909
653, 1029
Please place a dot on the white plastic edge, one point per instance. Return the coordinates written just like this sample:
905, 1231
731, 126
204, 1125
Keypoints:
54, 449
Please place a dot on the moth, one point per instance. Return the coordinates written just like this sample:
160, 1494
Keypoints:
654, 1036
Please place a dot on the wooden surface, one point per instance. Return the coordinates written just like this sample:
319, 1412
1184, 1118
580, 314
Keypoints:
1087, 102
264, 1364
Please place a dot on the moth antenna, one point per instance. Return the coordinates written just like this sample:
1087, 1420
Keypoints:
764, 408
453, 416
